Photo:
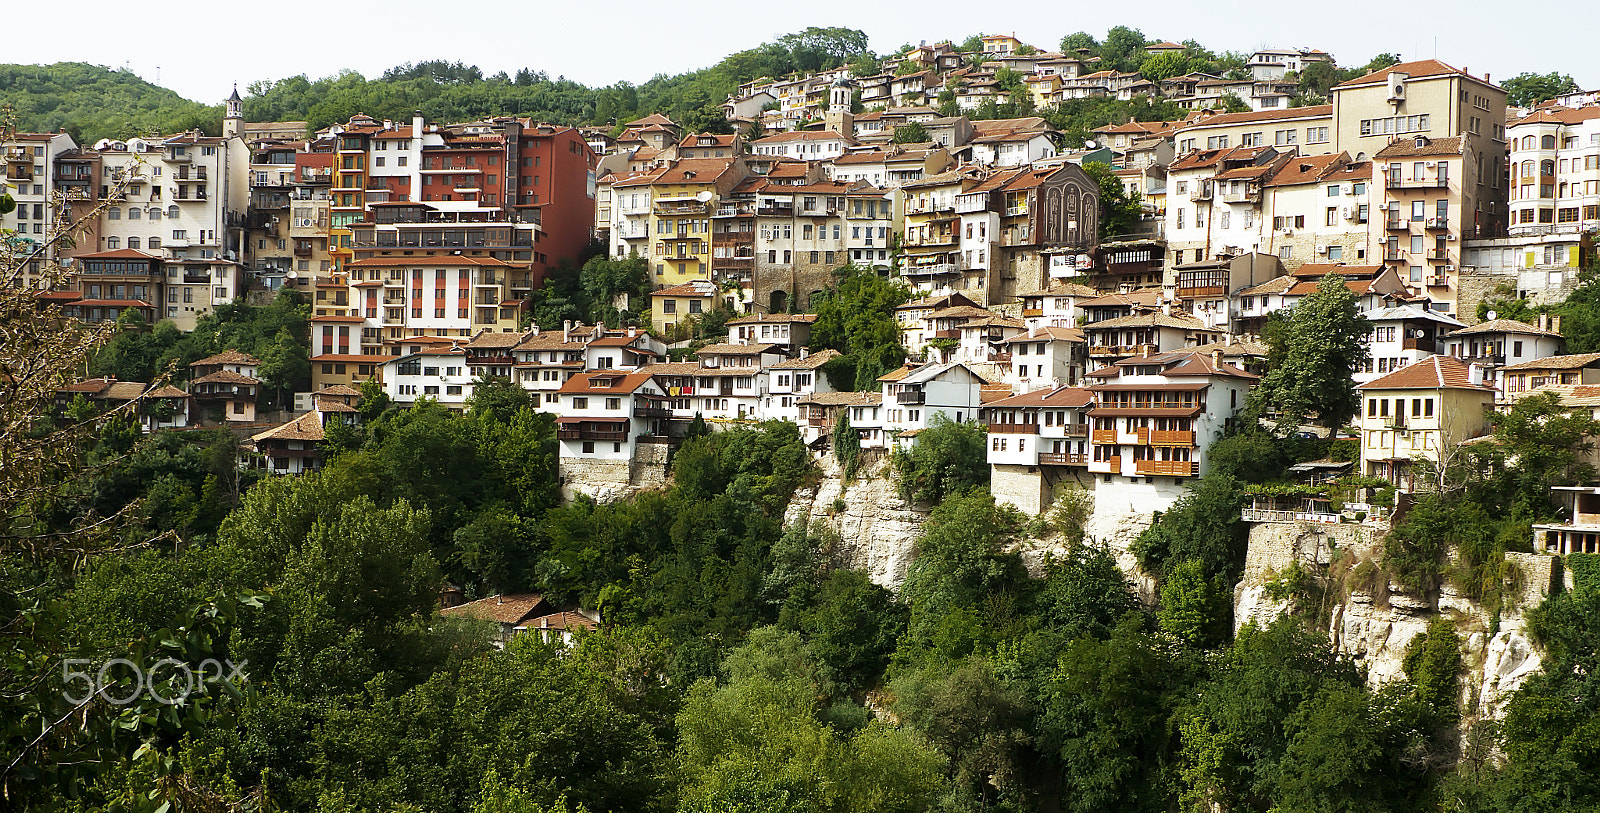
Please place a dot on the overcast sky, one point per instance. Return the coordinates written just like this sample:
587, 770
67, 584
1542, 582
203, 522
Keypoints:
201, 52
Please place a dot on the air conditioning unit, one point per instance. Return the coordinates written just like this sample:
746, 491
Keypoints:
1322, 249
1349, 212
1349, 189
1450, 238
1287, 232
1430, 164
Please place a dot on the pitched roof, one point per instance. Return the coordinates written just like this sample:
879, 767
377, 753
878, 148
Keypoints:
726, 349
1312, 111
224, 377
1420, 69
1570, 362
697, 287
558, 621
488, 339
1407, 147
512, 609
1504, 326
1276, 285
305, 427
583, 383
339, 389
810, 362
1431, 373
843, 399
1059, 397
227, 357
1047, 334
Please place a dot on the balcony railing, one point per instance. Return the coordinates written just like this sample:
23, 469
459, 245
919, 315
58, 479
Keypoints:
1160, 437
1397, 224
652, 412
1175, 468
590, 434
1013, 429
1426, 345
1062, 459
1393, 182
1438, 282
1264, 515
910, 398
1439, 255
1242, 197
1075, 430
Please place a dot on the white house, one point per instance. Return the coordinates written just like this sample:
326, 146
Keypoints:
1037, 440
438, 373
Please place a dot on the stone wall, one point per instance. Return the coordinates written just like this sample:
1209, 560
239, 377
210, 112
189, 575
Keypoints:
878, 530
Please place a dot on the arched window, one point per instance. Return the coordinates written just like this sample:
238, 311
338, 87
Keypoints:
172, 212
134, 213
113, 242
1547, 143
155, 242
133, 242
778, 302
1527, 142
154, 214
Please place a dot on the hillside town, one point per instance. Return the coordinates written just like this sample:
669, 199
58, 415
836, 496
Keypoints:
977, 426
1106, 357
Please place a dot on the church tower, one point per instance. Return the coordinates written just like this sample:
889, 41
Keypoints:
838, 117
233, 122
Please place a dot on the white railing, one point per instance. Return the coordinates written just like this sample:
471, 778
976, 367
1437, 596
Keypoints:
1263, 515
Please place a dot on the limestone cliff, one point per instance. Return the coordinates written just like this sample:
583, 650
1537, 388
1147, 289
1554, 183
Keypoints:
877, 529
1375, 629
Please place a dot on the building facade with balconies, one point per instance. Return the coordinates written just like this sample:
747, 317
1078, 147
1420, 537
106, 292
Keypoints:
1152, 421
1038, 443
31, 171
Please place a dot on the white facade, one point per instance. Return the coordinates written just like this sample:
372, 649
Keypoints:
440, 375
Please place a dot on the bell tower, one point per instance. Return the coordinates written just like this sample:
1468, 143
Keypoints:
838, 117
233, 121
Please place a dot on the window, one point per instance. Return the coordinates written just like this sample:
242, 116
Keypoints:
580, 402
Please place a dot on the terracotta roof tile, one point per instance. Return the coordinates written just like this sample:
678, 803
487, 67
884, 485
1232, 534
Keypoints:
1431, 373
512, 609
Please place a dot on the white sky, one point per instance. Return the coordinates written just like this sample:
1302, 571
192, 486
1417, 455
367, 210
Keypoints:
201, 52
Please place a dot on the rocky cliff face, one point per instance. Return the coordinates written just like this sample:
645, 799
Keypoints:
1376, 629
878, 530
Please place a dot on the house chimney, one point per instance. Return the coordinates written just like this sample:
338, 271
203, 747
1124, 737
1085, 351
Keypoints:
1544, 321
566, 331
1555, 323
1166, 307
1216, 359
1144, 351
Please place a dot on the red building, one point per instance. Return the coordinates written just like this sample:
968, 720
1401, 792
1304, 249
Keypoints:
551, 172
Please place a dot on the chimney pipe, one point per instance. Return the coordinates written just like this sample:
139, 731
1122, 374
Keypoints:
1216, 359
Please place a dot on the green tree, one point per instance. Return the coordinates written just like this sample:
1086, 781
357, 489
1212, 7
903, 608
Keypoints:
856, 318
846, 445
947, 457
1120, 211
1527, 89
1165, 65
1122, 49
910, 133
1324, 345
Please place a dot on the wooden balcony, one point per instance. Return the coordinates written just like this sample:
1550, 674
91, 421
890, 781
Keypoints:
1175, 468
1062, 459
1075, 430
589, 434
910, 398
1014, 428
1103, 437
1171, 438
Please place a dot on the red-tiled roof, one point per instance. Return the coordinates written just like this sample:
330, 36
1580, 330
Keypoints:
1431, 373
512, 609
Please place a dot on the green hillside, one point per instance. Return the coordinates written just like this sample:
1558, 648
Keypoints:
94, 102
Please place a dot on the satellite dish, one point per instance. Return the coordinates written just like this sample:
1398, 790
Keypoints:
1088, 145
703, 196
292, 275
1492, 315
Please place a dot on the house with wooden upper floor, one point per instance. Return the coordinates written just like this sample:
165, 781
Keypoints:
1489, 346
1038, 443
1153, 419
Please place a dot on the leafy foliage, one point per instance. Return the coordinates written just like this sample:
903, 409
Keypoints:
856, 318
946, 458
1322, 346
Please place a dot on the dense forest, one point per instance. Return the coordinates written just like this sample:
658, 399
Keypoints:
93, 102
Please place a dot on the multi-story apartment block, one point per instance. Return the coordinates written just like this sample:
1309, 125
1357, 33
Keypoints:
806, 145
683, 198
870, 220
606, 414
1310, 130
800, 239
1145, 334
931, 239
1320, 210
1153, 419
1555, 171
33, 178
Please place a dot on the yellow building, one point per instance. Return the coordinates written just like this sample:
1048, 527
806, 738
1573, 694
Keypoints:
1420, 411
680, 303
683, 200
